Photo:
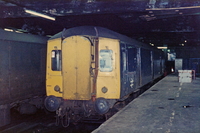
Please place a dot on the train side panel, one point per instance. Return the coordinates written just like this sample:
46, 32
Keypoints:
157, 64
22, 73
22, 70
108, 80
4, 72
26, 72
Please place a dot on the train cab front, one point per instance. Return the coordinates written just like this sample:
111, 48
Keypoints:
83, 76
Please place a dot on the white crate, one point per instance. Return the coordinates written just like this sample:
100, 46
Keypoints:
185, 80
185, 76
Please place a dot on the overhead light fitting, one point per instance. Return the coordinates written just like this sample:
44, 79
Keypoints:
11, 30
6, 29
162, 47
39, 14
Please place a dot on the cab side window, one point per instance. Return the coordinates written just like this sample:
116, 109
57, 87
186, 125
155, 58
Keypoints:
106, 60
56, 60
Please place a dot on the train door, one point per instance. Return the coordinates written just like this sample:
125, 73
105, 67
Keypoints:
123, 66
128, 69
108, 79
146, 66
132, 67
53, 74
76, 62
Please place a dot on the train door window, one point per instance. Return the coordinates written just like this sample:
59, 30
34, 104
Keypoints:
56, 60
124, 61
123, 57
132, 60
106, 60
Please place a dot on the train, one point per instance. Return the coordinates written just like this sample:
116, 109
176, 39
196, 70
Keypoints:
90, 69
22, 73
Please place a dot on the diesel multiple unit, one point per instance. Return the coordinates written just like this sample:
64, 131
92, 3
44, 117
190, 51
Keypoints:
90, 69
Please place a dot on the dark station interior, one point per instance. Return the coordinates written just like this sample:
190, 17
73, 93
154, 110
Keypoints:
170, 25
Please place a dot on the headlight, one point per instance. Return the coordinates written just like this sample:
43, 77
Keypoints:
57, 88
104, 89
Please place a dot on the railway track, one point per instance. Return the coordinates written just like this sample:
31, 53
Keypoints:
44, 122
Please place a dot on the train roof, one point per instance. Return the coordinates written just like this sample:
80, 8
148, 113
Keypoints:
98, 32
22, 37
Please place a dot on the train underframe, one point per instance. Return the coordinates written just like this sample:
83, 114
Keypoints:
74, 111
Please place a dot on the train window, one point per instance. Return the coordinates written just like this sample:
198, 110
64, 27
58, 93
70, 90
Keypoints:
56, 60
106, 60
132, 59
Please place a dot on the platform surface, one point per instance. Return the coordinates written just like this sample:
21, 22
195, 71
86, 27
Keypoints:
167, 107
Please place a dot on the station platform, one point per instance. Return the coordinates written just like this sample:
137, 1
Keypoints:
167, 107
